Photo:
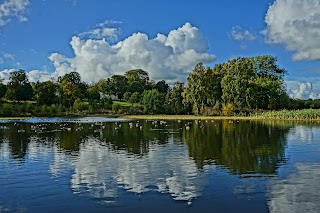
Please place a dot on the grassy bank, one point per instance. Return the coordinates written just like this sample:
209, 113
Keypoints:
289, 115
187, 117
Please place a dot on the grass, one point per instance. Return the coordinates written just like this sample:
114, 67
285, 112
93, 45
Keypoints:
14, 118
123, 104
288, 115
187, 117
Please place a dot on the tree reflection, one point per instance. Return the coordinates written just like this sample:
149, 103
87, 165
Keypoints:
243, 147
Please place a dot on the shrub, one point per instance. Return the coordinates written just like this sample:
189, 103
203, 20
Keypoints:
228, 109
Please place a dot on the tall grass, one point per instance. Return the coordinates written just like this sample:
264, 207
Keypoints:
303, 114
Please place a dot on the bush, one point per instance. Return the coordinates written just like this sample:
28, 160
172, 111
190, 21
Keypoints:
116, 108
228, 109
135, 98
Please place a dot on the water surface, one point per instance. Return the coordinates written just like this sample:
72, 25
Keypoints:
110, 165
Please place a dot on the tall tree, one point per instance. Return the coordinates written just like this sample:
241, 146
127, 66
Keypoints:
203, 88
174, 100
253, 83
162, 86
153, 101
119, 84
19, 87
71, 88
3, 89
46, 93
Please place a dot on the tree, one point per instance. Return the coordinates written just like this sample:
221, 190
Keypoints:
71, 88
72, 77
203, 88
137, 75
69, 93
135, 98
162, 86
153, 101
46, 93
119, 84
19, 87
3, 89
253, 83
174, 100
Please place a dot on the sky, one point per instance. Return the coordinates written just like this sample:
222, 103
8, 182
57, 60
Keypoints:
100, 38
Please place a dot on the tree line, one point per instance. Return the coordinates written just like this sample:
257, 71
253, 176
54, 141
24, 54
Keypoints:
238, 86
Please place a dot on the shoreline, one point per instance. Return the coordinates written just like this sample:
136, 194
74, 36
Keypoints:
172, 117
203, 117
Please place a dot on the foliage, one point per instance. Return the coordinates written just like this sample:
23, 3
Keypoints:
19, 87
203, 88
46, 93
252, 83
162, 86
3, 90
119, 85
174, 100
135, 98
153, 101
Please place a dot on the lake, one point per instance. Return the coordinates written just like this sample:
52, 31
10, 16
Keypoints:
98, 164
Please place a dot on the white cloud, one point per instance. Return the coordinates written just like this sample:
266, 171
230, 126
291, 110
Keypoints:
13, 9
304, 91
239, 34
296, 24
166, 57
298, 193
177, 174
170, 57
5, 75
107, 29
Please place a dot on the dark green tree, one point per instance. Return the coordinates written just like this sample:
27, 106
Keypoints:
174, 100
46, 93
19, 87
3, 89
118, 85
162, 86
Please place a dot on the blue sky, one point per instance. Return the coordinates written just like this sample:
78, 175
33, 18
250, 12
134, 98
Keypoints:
99, 38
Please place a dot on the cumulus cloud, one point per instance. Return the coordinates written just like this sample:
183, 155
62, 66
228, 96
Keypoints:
239, 34
296, 24
166, 57
170, 57
33, 75
304, 91
5, 75
10, 9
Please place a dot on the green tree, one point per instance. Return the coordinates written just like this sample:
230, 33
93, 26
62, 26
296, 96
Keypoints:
127, 96
253, 83
203, 88
174, 100
19, 87
118, 85
3, 89
135, 98
46, 93
162, 86
153, 101
137, 75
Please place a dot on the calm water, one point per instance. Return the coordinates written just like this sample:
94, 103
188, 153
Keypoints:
110, 165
